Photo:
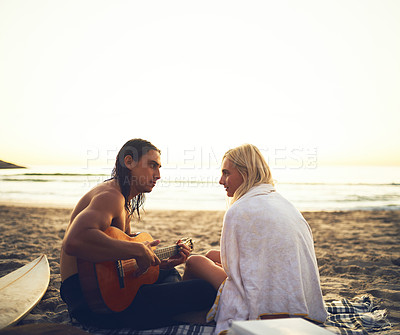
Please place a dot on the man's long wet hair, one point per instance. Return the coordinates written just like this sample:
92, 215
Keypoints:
135, 148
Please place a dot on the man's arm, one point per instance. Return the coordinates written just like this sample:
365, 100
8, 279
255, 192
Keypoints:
86, 239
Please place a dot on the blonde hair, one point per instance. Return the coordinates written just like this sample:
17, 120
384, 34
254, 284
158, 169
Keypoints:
251, 165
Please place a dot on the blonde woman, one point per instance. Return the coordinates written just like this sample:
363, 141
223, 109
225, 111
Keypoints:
267, 266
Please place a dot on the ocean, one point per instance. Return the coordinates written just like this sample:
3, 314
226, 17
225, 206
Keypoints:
321, 188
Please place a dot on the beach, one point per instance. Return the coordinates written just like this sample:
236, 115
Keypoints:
358, 252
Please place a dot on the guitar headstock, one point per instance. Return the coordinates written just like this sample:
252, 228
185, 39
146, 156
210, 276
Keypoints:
189, 242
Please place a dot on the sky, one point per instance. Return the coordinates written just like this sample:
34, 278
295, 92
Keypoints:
302, 80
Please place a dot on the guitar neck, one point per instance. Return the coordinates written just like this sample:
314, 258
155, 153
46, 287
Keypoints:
167, 252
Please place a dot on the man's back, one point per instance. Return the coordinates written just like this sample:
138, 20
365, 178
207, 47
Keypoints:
107, 192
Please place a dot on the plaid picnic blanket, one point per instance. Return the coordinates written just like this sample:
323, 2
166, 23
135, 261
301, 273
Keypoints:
359, 316
170, 330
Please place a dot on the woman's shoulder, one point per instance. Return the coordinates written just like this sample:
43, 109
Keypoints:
239, 208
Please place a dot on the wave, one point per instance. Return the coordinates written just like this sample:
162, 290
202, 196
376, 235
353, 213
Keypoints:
69, 177
376, 198
52, 177
338, 184
29, 180
62, 174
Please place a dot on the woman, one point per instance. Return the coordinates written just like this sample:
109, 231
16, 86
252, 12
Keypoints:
267, 264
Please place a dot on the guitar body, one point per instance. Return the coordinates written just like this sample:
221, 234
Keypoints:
111, 286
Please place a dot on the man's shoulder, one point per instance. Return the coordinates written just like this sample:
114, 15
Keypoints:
107, 193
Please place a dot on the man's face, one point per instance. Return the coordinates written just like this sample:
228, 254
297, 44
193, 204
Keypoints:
231, 177
146, 172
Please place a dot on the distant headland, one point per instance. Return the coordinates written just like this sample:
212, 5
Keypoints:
6, 165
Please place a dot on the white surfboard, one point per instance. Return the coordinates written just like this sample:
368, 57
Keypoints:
22, 289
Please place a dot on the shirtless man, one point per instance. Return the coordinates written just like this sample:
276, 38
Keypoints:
112, 203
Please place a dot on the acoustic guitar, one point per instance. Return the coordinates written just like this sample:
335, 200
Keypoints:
111, 286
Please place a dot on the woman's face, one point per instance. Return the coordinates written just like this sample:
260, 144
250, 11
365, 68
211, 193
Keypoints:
231, 178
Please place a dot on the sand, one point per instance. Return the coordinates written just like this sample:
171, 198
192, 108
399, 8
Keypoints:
358, 251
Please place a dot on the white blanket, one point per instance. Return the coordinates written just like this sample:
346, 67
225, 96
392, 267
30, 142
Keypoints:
268, 254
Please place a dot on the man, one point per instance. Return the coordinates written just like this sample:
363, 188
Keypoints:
112, 204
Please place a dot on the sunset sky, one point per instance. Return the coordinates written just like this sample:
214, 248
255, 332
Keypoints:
296, 78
